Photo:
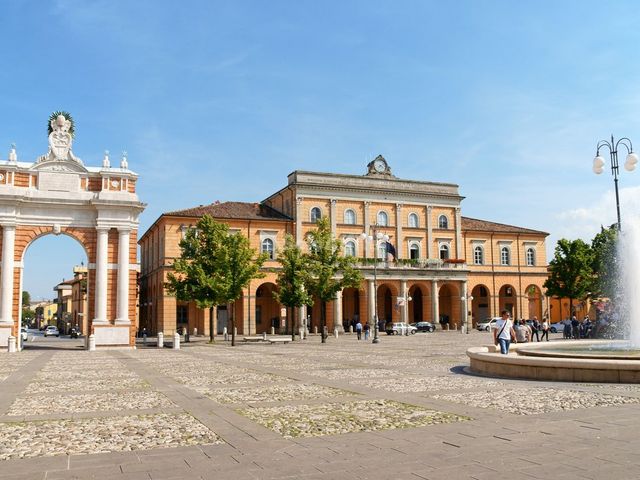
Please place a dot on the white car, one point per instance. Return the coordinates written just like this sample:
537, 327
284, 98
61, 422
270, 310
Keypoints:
400, 328
52, 330
487, 324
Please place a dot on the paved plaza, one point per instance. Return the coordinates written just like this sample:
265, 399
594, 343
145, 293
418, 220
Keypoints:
403, 409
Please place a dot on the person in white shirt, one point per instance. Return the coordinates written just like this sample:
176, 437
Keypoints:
503, 333
545, 329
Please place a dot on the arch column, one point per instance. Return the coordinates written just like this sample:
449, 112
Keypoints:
337, 312
123, 277
404, 293
435, 307
8, 267
102, 245
372, 302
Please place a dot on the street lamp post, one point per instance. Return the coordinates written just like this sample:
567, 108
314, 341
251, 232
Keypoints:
376, 237
629, 164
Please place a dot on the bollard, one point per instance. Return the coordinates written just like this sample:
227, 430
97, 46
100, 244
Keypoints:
144, 339
11, 344
225, 333
301, 333
92, 343
273, 331
176, 341
335, 333
195, 332
160, 340
315, 330
350, 328
235, 331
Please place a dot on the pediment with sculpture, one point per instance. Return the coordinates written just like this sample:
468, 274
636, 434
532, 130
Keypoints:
60, 157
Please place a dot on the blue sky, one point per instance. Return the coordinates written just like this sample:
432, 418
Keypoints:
507, 99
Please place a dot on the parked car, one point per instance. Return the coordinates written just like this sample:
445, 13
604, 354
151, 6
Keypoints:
556, 327
52, 330
24, 334
424, 326
487, 324
400, 328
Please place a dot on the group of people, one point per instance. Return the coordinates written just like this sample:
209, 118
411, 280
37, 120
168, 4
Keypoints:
519, 331
576, 329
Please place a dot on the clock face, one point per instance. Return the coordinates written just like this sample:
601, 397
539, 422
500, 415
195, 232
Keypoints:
379, 166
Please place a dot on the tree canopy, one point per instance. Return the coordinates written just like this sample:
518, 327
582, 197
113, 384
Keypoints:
571, 271
605, 262
327, 270
214, 266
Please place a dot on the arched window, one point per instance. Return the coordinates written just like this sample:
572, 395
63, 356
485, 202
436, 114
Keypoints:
443, 222
414, 251
267, 247
505, 256
478, 255
316, 214
383, 219
350, 249
531, 257
349, 217
413, 220
444, 252
483, 291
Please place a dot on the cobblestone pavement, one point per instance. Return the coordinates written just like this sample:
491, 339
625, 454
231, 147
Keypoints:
403, 409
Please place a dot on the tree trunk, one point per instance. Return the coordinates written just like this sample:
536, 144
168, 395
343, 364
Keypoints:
293, 323
211, 332
323, 319
233, 325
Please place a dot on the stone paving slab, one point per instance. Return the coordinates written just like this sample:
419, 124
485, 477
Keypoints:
596, 440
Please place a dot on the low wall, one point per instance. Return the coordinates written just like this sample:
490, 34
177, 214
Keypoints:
487, 360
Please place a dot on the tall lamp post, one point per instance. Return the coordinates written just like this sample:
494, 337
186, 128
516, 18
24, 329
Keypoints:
629, 164
377, 236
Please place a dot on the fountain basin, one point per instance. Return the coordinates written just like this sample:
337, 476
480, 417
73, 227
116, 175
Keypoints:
567, 361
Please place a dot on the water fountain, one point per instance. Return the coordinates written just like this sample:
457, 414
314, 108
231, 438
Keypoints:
616, 361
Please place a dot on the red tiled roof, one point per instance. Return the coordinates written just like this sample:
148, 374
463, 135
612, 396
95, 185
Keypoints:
473, 224
239, 210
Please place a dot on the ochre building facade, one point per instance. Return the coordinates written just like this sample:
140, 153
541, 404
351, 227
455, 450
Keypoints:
447, 269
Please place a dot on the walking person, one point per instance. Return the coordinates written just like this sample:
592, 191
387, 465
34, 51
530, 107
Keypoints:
503, 333
359, 330
535, 328
367, 329
545, 329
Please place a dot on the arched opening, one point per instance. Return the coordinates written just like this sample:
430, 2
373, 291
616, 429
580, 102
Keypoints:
449, 306
507, 300
387, 310
267, 310
54, 293
416, 308
481, 304
351, 308
534, 296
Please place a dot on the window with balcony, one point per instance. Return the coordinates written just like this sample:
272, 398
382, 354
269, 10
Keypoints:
350, 249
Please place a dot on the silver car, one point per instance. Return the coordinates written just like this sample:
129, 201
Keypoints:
52, 330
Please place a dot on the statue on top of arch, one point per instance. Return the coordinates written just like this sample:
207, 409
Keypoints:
61, 132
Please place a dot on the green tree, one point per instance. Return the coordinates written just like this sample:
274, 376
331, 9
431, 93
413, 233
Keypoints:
199, 274
214, 267
291, 291
26, 299
328, 271
605, 262
570, 271
240, 264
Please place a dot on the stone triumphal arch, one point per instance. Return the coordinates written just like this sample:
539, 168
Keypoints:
97, 206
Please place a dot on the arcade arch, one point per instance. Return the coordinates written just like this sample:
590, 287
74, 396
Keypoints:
507, 300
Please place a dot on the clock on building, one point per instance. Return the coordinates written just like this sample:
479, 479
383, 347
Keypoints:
379, 166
